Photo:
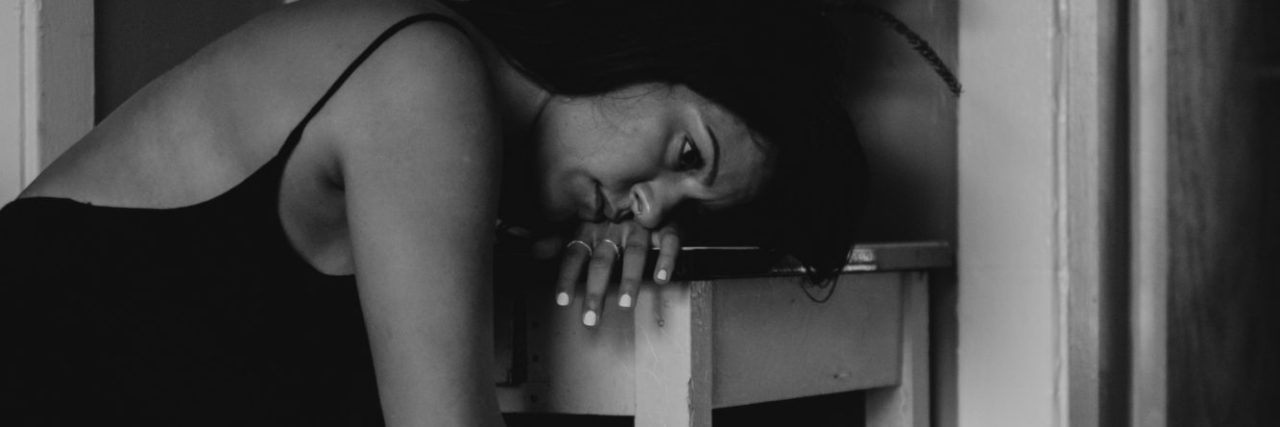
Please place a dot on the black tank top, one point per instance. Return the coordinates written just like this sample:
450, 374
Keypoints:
198, 315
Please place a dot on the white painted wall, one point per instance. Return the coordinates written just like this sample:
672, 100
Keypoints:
1151, 210
1010, 329
46, 85
11, 100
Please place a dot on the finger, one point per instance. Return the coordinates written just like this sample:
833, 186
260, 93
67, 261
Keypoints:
598, 271
575, 254
668, 249
635, 251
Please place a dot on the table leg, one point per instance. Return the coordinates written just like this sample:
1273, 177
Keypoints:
907, 404
673, 355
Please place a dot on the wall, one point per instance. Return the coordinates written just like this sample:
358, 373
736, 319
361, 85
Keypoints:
906, 119
137, 40
11, 95
1010, 330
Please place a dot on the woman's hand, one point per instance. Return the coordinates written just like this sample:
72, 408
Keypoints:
601, 246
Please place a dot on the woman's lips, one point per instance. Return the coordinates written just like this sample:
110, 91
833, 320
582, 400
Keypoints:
595, 205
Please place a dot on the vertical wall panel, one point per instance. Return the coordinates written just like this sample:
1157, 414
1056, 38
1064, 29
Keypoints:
1093, 196
1010, 321
11, 100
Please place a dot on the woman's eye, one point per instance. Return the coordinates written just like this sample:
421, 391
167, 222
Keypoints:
690, 157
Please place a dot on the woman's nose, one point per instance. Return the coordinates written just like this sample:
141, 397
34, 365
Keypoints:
650, 202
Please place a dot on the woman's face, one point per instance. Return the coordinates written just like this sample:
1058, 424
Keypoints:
641, 151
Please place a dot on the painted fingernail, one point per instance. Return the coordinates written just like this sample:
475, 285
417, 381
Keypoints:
662, 274
589, 318
624, 301
562, 299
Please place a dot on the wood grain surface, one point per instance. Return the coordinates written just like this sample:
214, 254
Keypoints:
1224, 213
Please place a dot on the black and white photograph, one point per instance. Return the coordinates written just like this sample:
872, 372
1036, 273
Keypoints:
649, 213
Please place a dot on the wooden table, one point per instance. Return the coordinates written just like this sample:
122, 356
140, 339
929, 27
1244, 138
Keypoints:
731, 337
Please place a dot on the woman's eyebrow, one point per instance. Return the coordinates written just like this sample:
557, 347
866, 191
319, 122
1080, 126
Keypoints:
715, 157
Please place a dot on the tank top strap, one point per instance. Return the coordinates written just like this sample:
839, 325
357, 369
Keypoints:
296, 135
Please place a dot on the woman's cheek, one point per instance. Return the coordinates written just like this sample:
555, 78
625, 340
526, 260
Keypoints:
557, 199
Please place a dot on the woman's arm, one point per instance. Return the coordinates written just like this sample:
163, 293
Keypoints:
420, 156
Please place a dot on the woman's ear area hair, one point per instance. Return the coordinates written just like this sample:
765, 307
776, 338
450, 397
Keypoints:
810, 208
819, 196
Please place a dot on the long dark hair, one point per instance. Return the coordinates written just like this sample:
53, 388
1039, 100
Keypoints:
775, 64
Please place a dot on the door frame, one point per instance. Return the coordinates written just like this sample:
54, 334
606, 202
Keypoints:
1043, 214
46, 85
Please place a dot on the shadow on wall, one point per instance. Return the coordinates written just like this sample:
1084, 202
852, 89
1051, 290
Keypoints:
906, 119
137, 40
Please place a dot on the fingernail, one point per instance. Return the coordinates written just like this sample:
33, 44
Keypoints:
662, 274
624, 301
589, 319
562, 299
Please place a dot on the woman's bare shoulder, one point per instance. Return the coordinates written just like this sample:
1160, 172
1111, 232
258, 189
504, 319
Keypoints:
426, 86
414, 127
208, 122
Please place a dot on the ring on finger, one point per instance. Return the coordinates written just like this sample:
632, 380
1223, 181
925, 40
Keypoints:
617, 250
579, 242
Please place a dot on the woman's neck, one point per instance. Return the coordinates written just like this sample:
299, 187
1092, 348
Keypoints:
520, 100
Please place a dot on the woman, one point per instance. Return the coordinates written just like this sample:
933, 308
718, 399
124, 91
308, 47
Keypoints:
180, 265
